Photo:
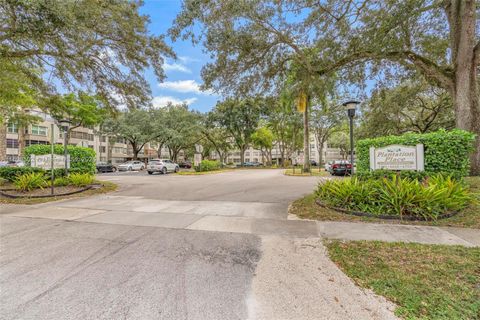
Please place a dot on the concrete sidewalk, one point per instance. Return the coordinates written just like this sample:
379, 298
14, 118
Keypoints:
222, 217
399, 233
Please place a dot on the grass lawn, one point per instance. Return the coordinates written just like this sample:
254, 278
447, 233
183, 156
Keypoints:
314, 172
425, 281
306, 208
106, 187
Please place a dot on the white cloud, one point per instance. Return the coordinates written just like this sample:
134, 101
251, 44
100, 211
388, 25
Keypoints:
187, 60
162, 101
176, 67
183, 86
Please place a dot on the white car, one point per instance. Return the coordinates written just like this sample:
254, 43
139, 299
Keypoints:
328, 166
131, 165
162, 166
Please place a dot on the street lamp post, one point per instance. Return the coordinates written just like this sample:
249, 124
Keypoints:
350, 106
64, 124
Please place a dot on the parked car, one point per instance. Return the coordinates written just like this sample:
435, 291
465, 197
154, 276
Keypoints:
252, 164
341, 168
185, 164
12, 163
105, 167
131, 165
328, 166
313, 163
162, 166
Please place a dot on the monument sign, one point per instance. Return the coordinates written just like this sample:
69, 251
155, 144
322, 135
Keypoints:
397, 157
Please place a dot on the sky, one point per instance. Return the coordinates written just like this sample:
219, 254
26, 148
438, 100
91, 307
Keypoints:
183, 74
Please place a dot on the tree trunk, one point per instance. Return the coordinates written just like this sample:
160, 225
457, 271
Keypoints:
320, 153
159, 150
306, 139
3, 141
242, 155
462, 19
111, 142
21, 141
135, 151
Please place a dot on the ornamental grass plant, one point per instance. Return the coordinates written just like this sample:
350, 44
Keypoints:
393, 195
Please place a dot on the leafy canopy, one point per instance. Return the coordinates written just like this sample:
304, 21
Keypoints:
103, 46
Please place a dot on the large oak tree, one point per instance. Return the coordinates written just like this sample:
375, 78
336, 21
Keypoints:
253, 42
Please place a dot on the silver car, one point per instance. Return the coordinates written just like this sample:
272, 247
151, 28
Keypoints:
131, 165
162, 166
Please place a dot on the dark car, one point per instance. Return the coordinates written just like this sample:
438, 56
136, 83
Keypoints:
252, 164
341, 168
185, 164
105, 167
313, 163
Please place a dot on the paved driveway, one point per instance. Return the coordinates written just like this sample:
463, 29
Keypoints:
175, 247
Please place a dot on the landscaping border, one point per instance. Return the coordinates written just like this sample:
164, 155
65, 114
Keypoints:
383, 216
12, 196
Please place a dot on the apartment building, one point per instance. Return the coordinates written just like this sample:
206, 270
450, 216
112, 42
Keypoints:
255, 155
40, 133
117, 150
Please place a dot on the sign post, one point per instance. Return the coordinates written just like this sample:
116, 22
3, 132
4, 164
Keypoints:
52, 143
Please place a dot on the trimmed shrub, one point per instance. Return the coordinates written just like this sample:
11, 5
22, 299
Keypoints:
30, 181
208, 165
82, 160
61, 182
80, 179
397, 196
445, 151
12, 173
379, 174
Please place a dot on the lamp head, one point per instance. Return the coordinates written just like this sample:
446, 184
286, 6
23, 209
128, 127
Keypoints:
351, 106
64, 123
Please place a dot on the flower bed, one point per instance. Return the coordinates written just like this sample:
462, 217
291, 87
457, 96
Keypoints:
38, 185
44, 193
392, 197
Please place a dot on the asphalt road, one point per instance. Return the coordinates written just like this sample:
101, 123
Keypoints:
175, 247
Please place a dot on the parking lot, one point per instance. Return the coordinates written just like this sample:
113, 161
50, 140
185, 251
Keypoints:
215, 246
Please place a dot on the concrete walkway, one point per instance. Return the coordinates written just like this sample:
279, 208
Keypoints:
227, 216
399, 233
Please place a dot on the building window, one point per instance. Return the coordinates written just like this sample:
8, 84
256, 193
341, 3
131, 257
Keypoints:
103, 149
12, 143
39, 130
119, 150
33, 142
103, 138
81, 135
247, 154
12, 127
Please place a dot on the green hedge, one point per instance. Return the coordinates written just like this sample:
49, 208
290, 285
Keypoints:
11, 173
82, 160
445, 151
208, 165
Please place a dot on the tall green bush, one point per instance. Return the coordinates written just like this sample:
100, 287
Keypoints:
445, 151
208, 165
82, 160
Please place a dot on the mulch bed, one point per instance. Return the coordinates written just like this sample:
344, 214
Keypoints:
43, 193
383, 216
